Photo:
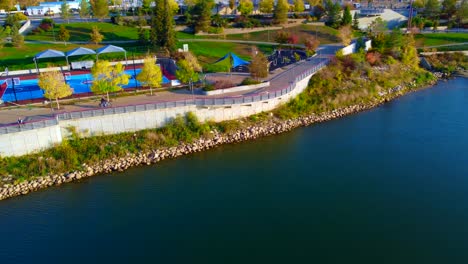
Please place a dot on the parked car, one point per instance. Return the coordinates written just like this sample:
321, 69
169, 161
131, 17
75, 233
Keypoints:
49, 13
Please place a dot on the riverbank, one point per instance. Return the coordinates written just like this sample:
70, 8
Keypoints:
267, 125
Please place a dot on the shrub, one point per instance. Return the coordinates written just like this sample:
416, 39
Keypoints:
215, 30
249, 81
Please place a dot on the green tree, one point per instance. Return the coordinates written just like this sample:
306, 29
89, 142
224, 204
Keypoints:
100, 8
462, 11
63, 34
84, 9
347, 17
449, 8
356, 21
232, 4
202, 10
280, 14
150, 74
107, 78
432, 9
299, 6
410, 54
16, 38
162, 26
96, 35
333, 11
65, 11
185, 72
259, 66
245, 7
266, 6
54, 86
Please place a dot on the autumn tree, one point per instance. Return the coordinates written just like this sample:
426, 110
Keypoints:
311, 44
150, 74
96, 35
345, 34
186, 72
192, 60
100, 8
245, 7
266, 6
63, 34
84, 9
65, 11
299, 6
54, 86
280, 14
259, 66
108, 78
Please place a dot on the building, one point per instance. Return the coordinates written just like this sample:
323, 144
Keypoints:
55, 7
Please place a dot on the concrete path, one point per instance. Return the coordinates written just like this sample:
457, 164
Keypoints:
280, 79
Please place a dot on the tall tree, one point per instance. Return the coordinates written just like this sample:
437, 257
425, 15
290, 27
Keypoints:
347, 18
54, 86
449, 8
95, 35
100, 8
333, 11
150, 74
16, 38
280, 15
162, 29
63, 34
65, 11
356, 21
259, 66
108, 78
232, 4
266, 6
245, 7
432, 9
410, 54
157, 27
84, 9
299, 6
462, 12
203, 12
345, 34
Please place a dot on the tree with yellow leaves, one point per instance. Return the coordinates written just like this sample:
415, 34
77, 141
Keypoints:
150, 74
54, 86
107, 78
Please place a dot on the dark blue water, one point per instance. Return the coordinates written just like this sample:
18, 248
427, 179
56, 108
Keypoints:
384, 186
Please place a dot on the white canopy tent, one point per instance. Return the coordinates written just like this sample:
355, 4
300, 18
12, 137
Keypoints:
111, 49
80, 51
50, 53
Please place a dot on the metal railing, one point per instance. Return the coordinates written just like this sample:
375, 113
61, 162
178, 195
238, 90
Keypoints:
261, 96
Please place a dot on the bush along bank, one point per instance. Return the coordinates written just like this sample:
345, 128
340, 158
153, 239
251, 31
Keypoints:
349, 85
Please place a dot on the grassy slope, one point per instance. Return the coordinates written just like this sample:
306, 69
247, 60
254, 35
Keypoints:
81, 31
434, 39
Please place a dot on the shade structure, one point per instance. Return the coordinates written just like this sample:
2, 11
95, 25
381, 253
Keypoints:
234, 59
111, 49
80, 51
50, 53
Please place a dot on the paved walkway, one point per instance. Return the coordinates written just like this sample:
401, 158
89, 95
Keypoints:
279, 79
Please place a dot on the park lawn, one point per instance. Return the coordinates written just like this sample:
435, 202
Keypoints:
81, 31
434, 39
22, 58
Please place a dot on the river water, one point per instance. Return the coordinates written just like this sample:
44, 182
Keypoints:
388, 185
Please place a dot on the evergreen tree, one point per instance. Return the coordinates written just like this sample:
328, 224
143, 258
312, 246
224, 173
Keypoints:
169, 41
100, 8
299, 6
84, 9
157, 26
65, 11
356, 21
280, 15
162, 26
266, 6
16, 38
333, 14
347, 18
432, 9
203, 11
462, 12
449, 8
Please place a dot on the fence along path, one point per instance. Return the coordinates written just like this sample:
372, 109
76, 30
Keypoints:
280, 85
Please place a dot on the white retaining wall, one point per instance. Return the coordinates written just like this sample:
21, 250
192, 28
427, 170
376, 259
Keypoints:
24, 142
237, 89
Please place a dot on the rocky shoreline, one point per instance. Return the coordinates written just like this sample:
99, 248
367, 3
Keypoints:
271, 127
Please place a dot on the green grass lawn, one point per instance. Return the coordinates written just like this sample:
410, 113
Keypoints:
81, 31
326, 35
434, 39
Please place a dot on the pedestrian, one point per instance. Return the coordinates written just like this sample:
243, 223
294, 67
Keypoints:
20, 121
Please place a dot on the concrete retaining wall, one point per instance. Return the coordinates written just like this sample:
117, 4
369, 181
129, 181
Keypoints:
24, 142
237, 89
